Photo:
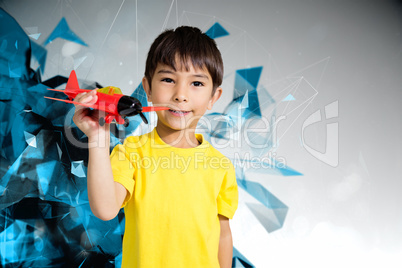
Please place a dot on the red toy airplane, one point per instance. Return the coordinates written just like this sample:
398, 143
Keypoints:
110, 100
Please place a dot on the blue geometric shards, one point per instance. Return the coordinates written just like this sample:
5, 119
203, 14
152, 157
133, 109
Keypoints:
38, 233
246, 83
287, 171
231, 125
25, 240
30, 139
245, 104
14, 44
62, 30
239, 261
216, 31
38, 172
271, 213
78, 168
246, 80
45, 218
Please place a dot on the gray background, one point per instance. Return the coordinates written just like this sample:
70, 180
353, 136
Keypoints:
346, 51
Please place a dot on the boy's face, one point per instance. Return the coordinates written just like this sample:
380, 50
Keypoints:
187, 93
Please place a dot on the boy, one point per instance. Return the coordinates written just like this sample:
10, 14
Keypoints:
177, 190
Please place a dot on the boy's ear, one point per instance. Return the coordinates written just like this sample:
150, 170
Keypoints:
214, 98
147, 88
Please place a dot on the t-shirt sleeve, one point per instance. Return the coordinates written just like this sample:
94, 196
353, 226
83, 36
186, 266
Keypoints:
123, 169
228, 197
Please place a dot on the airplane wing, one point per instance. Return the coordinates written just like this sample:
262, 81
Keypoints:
74, 102
66, 91
71, 93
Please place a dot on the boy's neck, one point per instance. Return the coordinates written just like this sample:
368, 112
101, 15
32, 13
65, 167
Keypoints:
178, 138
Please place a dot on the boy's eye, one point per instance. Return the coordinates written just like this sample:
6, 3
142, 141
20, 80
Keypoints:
198, 84
167, 80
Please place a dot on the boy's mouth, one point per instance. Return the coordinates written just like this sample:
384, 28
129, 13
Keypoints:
178, 112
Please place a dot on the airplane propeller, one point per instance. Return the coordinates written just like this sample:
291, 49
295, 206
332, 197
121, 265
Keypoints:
134, 110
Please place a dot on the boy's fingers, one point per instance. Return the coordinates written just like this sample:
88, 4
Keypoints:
86, 98
79, 98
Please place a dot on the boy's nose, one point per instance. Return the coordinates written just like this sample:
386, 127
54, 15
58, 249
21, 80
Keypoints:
180, 94
180, 98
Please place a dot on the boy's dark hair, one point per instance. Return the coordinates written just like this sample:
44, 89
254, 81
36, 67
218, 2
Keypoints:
189, 44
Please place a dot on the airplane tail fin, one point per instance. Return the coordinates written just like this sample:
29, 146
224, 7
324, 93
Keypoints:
72, 87
93, 106
72, 83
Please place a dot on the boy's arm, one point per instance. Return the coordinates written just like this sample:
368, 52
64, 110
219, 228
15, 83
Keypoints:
225, 252
105, 195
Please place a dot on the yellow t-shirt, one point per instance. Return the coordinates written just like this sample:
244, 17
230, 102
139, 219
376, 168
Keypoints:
173, 201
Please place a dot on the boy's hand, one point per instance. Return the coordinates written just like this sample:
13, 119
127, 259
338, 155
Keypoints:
104, 194
87, 120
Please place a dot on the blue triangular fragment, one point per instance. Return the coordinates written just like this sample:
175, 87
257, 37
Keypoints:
77, 168
114, 141
35, 36
45, 172
251, 75
239, 261
287, 171
289, 98
216, 31
253, 105
62, 30
30, 139
118, 260
261, 194
15, 72
271, 212
244, 102
236, 263
270, 219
